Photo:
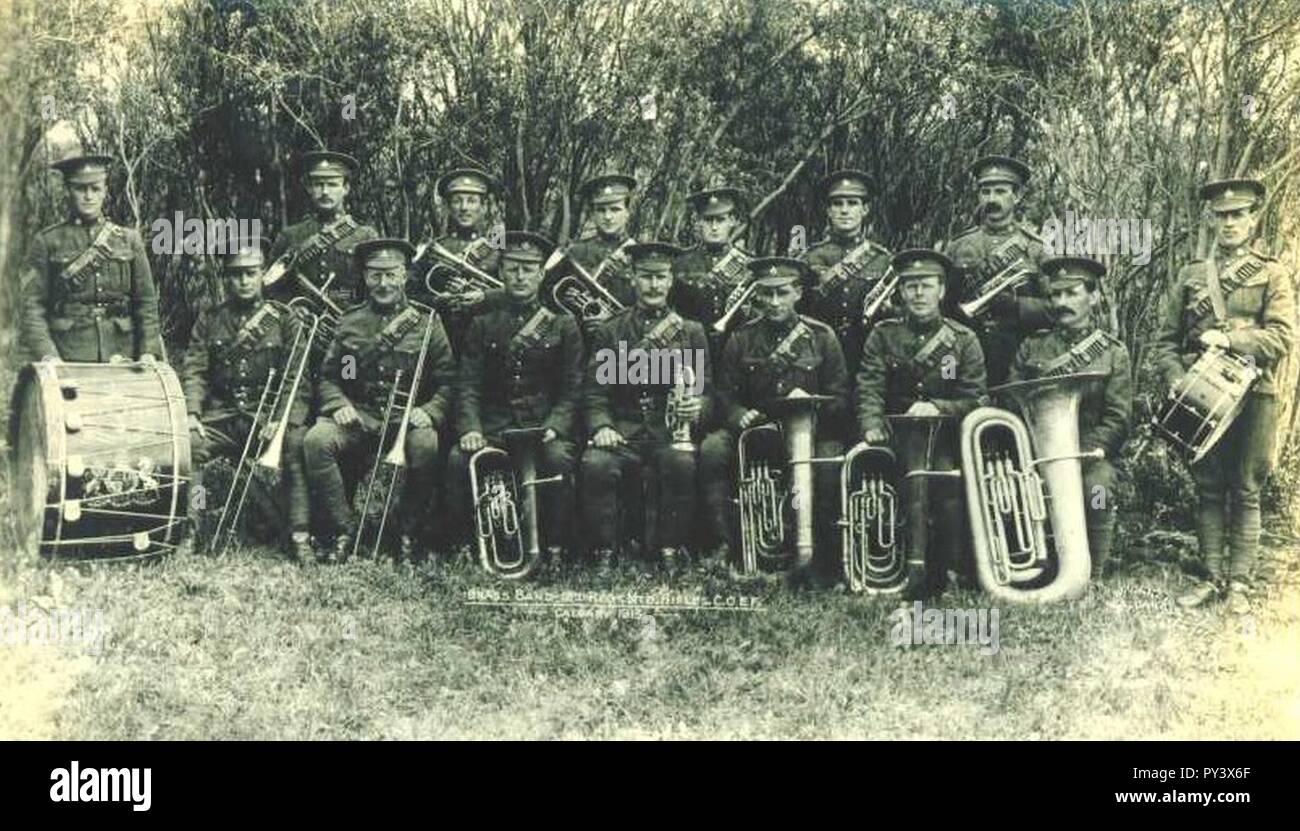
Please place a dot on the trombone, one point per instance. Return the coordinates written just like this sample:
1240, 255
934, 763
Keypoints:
269, 451
395, 460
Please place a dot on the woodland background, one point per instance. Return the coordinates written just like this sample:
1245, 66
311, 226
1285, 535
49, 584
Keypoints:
1122, 108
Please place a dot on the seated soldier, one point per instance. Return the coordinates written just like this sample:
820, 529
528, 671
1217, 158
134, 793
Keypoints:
521, 367
376, 348
235, 348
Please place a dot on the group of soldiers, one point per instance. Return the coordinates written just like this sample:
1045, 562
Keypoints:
503, 359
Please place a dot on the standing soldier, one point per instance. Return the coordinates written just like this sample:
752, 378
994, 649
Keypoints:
466, 192
521, 367
766, 359
1238, 300
984, 251
714, 270
234, 348
313, 258
925, 365
376, 346
630, 441
848, 265
604, 252
1077, 344
88, 293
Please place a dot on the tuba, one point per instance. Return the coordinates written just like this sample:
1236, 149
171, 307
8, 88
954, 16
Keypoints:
273, 407
576, 292
1024, 490
776, 471
394, 463
503, 486
877, 558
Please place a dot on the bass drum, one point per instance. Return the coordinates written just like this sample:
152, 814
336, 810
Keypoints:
1203, 404
100, 459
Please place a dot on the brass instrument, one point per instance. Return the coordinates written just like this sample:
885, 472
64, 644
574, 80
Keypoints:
851, 266
732, 265
577, 292
395, 460
275, 398
1024, 485
868, 516
1010, 277
763, 493
683, 391
469, 276
617, 257
738, 301
503, 485
879, 295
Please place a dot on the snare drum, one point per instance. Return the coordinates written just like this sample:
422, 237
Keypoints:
1202, 406
101, 459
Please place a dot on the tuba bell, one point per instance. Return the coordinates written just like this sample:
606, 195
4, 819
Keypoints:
503, 487
1024, 492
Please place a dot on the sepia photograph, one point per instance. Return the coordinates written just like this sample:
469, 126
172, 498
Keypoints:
650, 370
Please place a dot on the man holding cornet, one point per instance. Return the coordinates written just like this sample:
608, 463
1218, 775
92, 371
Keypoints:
236, 349
377, 351
929, 368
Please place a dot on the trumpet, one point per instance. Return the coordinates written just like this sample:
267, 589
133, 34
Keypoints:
577, 293
505, 508
395, 460
879, 294
268, 453
1010, 277
469, 276
1014, 497
683, 385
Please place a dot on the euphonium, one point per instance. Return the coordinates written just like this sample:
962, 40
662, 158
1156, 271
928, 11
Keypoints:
576, 292
505, 508
683, 391
762, 489
1024, 485
873, 557
395, 460
273, 407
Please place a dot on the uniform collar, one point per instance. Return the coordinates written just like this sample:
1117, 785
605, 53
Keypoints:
1224, 255
616, 240
523, 309
848, 240
464, 234
648, 315
392, 311
76, 220
333, 219
1073, 336
924, 328
1004, 231
782, 328
243, 306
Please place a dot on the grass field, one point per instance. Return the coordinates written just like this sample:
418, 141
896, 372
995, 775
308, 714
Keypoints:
250, 647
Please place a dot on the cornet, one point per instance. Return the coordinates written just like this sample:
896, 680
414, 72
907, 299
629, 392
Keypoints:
472, 278
683, 391
737, 302
577, 292
1010, 277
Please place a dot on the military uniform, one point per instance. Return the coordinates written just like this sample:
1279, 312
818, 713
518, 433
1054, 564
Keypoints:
980, 253
462, 242
636, 411
761, 361
88, 292
321, 247
521, 368
1105, 406
839, 304
1259, 322
906, 361
233, 349
371, 346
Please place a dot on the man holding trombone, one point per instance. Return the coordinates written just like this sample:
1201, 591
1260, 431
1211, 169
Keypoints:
240, 354
386, 376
